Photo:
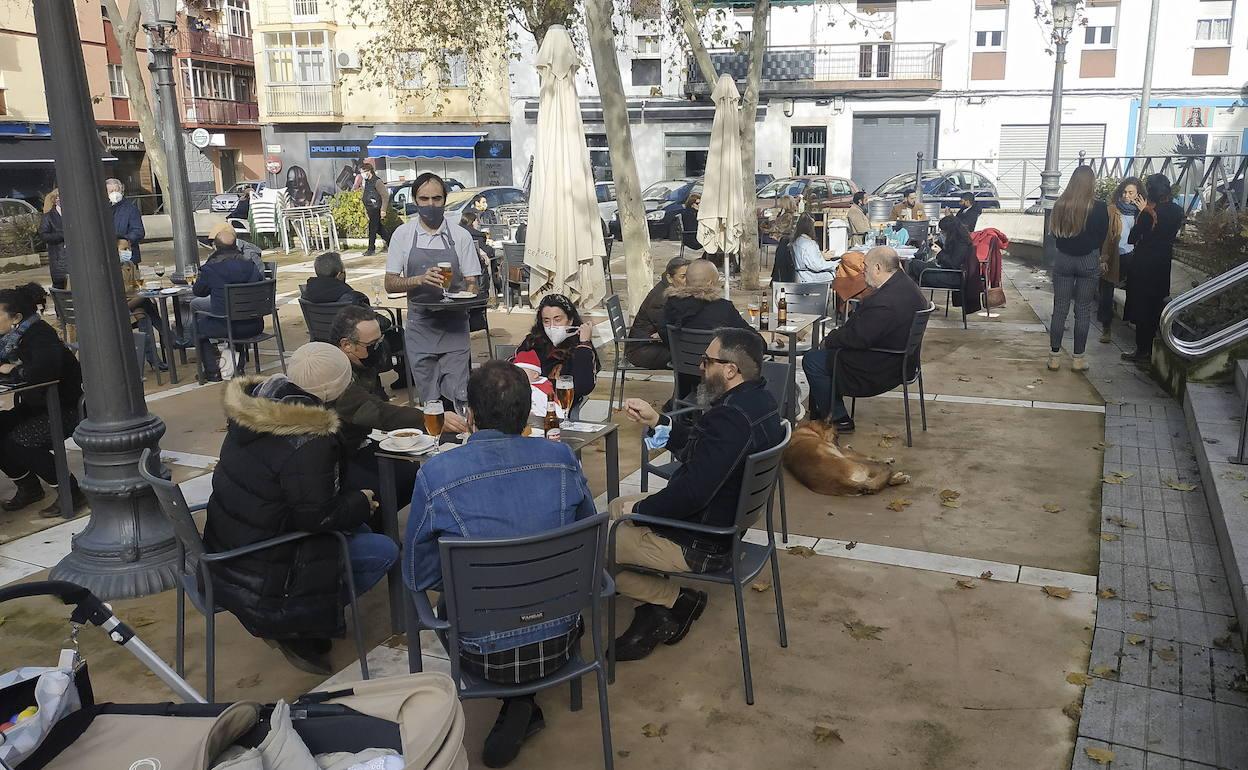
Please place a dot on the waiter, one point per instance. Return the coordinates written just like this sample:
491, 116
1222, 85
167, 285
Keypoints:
437, 342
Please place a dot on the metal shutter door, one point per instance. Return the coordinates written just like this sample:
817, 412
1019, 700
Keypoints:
1021, 156
885, 145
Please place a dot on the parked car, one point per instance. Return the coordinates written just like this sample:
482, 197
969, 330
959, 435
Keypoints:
945, 186
225, 202
814, 194
19, 227
762, 180
663, 201
607, 204
403, 199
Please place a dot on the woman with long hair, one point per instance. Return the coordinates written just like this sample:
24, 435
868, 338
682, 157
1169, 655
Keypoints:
564, 344
1079, 224
52, 230
812, 265
1148, 281
952, 255
1126, 200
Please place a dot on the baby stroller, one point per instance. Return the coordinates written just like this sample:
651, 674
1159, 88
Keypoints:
410, 722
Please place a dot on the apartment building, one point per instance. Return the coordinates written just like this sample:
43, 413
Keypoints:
856, 89
323, 115
216, 91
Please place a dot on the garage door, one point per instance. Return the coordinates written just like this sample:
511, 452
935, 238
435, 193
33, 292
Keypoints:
1021, 157
885, 145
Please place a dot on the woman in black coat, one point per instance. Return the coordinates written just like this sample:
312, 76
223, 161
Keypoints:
1148, 280
31, 352
564, 344
654, 354
699, 304
956, 253
52, 231
689, 225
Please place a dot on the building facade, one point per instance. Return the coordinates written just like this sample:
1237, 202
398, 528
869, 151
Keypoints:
857, 89
323, 116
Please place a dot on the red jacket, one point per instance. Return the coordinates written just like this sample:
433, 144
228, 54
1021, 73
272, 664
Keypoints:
988, 244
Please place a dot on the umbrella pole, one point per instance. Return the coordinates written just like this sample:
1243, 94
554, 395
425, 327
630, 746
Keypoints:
727, 276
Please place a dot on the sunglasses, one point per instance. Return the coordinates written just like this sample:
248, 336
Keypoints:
707, 360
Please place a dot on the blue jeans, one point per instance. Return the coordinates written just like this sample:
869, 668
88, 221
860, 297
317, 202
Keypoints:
372, 555
823, 399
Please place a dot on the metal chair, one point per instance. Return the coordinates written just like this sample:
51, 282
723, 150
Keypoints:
513, 267
688, 346
747, 559
320, 319
913, 352
249, 302
498, 585
807, 299
931, 290
619, 330
505, 352
270, 270
195, 579
63, 305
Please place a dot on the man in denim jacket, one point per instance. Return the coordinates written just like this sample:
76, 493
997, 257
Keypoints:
499, 484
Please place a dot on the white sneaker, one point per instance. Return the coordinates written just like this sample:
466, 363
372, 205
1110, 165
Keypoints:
226, 360
1055, 362
1079, 364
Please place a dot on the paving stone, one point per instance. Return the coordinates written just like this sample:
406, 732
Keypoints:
1187, 591
1232, 737
1192, 665
1165, 733
1199, 732
1181, 556
1155, 524
1150, 499
1227, 668
1176, 526
1208, 560
1201, 531
1125, 758
1158, 553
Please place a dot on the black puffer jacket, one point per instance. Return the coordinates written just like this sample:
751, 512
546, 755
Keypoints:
278, 473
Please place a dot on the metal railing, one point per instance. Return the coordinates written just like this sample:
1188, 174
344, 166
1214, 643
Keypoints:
303, 101
291, 11
220, 111
205, 43
1197, 180
860, 62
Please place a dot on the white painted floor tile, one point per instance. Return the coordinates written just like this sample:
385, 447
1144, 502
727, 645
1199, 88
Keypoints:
914, 395
1035, 576
197, 490
759, 537
984, 401
12, 570
903, 557
662, 378
188, 460
45, 548
1067, 407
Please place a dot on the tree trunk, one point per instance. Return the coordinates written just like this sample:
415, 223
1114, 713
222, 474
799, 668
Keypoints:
636, 235
126, 30
749, 111
689, 22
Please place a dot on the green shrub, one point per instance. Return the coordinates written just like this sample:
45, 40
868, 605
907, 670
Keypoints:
350, 217
1105, 187
1221, 244
20, 235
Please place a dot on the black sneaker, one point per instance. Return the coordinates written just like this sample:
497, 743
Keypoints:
844, 425
518, 720
1136, 357
687, 609
369, 253
29, 491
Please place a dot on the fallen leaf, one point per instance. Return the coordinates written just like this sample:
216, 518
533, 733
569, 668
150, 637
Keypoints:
1078, 678
964, 584
247, 682
1167, 654
1133, 639
1181, 486
1107, 593
1234, 476
1223, 642
888, 436
1101, 446
2, 620
986, 575
760, 586
861, 631
951, 503
1143, 617
964, 379
622, 754
899, 504
1105, 672
1057, 592
1124, 475
886, 443
1053, 508
950, 494
1073, 710
1239, 683
651, 730
1099, 756
1121, 522
803, 551
1161, 586
851, 545
1112, 480
1109, 537
824, 734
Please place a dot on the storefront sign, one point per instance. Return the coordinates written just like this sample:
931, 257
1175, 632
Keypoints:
200, 138
338, 148
122, 143
491, 149
273, 149
273, 164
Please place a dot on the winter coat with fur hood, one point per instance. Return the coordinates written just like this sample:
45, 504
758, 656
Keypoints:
699, 307
278, 473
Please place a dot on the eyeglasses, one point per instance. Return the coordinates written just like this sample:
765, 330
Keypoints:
707, 360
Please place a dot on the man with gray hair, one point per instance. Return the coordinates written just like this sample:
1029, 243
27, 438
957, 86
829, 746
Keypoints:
882, 321
127, 221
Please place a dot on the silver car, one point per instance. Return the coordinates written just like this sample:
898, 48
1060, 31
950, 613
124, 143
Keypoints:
225, 202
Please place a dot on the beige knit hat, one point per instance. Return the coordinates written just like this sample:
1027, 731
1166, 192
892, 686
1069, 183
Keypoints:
321, 369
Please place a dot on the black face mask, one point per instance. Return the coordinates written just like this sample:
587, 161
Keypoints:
376, 356
431, 215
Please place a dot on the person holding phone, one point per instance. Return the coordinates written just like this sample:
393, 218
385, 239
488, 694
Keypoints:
564, 343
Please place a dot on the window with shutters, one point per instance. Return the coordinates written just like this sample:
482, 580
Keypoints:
990, 40
1213, 31
1098, 36
117, 82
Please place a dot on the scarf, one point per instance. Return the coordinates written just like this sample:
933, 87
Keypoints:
1127, 209
8, 344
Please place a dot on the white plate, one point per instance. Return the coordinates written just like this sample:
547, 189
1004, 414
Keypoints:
174, 290
423, 444
462, 295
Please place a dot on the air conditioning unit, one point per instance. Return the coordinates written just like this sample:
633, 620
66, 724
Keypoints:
348, 60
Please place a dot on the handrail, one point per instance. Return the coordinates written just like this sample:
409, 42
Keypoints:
1211, 343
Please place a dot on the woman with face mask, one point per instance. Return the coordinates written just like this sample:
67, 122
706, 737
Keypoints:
564, 345
127, 221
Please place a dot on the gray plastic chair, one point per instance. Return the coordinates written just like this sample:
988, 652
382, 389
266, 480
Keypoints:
931, 290
747, 559
195, 579
807, 299
912, 352
513, 258
619, 330
320, 319
63, 305
249, 302
505, 352
497, 585
688, 346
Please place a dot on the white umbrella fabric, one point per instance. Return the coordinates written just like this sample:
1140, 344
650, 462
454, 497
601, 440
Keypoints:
721, 217
564, 248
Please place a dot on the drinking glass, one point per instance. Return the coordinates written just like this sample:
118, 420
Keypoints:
160, 271
447, 274
565, 392
435, 418
752, 308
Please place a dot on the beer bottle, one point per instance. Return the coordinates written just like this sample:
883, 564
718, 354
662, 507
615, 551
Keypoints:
764, 314
880, 238
550, 425
782, 310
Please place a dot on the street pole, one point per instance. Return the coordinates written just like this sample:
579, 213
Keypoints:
128, 547
181, 213
1050, 178
1141, 132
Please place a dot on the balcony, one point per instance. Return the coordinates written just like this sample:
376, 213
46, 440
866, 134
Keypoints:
200, 43
292, 11
830, 70
220, 112
303, 101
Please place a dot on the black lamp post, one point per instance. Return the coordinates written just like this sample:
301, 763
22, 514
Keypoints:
128, 547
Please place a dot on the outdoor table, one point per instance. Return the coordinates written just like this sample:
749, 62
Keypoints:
400, 302
161, 296
798, 323
58, 437
389, 507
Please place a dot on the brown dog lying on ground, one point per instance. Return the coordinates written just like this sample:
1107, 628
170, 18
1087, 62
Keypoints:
819, 462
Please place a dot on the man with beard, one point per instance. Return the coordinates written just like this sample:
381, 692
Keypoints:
740, 418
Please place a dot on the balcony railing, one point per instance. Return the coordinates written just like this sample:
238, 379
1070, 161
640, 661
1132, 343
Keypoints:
297, 101
219, 111
292, 11
211, 44
818, 68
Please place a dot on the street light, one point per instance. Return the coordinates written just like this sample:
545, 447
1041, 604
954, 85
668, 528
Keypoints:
1063, 20
161, 22
127, 548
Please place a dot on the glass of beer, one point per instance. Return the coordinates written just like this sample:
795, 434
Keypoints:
435, 418
752, 308
447, 274
565, 392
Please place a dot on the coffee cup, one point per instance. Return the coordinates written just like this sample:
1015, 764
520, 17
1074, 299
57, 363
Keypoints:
405, 438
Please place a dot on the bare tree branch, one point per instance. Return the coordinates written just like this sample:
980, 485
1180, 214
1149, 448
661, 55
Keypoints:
126, 30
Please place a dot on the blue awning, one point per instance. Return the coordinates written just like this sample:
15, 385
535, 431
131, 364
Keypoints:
428, 146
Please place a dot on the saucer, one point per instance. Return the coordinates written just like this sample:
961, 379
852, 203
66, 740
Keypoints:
423, 444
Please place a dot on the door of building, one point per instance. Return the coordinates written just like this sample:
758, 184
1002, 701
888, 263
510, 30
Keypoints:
229, 168
887, 145
1020, 158
810, 150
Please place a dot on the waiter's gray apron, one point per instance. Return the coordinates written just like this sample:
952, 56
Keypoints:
437, 342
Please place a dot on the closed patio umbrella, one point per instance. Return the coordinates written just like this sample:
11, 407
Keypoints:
564, 248
721, 216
